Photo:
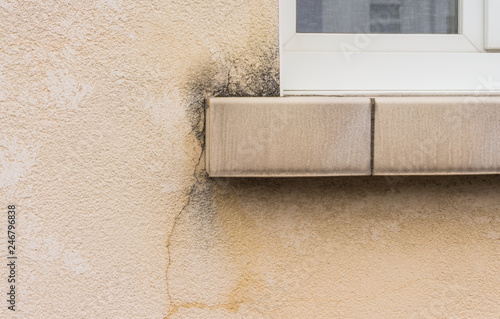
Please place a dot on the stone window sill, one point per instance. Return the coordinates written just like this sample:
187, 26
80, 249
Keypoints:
338, 136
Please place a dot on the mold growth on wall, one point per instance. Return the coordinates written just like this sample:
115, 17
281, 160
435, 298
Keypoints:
231, 75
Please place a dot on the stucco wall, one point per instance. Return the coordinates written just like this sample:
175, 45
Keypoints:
101, 139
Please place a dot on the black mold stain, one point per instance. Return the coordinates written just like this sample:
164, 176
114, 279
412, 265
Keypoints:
230, 77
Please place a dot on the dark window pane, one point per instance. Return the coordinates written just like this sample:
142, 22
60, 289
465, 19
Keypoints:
378, 16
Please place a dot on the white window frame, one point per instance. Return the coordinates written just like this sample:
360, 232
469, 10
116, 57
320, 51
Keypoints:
380, 64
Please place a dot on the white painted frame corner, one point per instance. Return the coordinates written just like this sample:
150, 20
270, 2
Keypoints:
354, 64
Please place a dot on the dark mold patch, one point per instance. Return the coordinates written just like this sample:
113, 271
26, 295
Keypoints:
227, 77
231, 77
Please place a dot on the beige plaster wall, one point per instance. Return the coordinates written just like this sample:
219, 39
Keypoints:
101, 138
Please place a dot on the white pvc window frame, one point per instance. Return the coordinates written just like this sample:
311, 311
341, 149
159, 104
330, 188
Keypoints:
380, 64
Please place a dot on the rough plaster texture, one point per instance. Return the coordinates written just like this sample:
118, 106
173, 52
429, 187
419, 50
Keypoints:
101, 142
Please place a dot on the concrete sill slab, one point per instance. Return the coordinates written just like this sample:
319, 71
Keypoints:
437, 135
288, 137
338, 136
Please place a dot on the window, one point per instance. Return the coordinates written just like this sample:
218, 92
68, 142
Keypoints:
350, 47
378, 16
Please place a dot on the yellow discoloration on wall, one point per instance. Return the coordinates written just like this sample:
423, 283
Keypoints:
101, 139
356, 247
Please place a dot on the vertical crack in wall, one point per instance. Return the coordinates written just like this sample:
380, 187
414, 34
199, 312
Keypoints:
174, 225
199, 119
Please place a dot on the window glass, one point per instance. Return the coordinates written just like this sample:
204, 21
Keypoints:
378, 16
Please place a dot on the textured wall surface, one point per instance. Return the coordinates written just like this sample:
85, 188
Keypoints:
101, 139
